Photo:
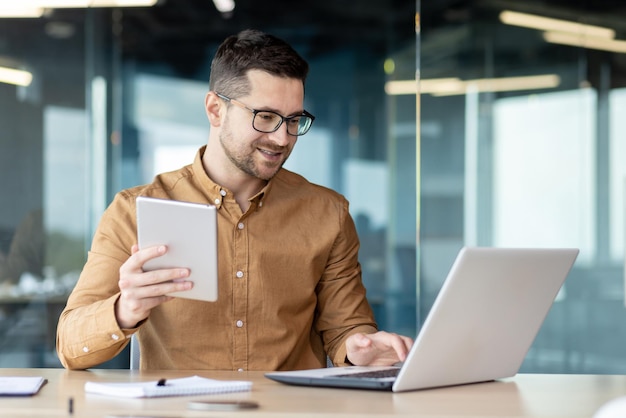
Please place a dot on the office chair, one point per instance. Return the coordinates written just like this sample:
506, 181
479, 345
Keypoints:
134, 352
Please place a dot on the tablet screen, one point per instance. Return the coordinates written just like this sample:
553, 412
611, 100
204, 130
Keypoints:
189, 230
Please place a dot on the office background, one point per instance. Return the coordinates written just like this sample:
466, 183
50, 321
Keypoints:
517, 138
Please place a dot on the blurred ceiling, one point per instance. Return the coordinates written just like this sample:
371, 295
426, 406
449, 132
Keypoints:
180, 33
182, 30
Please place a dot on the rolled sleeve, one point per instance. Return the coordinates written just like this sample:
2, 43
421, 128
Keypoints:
81, 347
87, 332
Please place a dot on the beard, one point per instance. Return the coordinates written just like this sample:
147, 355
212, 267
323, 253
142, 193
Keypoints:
244, 156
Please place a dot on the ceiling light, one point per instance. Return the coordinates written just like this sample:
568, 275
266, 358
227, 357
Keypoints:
57, 4
401, 87
224, 6
122, 3
20, 11
13, 76
612, 45
487, 85
61, 4
60, 30
549, 24
456, 86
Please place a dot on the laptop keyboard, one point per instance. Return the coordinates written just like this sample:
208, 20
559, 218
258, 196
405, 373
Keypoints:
373, 374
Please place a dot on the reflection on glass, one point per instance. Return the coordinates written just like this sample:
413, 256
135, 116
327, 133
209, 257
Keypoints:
617, 177
552, 204
541, 168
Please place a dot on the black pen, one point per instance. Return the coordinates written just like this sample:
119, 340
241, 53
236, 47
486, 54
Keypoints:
70, 406
161, 382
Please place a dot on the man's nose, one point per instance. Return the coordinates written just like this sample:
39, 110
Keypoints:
280, 135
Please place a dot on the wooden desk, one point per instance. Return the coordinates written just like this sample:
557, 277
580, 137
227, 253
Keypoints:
529, 395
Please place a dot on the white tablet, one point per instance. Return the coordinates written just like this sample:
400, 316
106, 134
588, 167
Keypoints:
189, 230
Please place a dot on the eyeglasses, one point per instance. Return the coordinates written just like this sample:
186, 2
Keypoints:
267, 121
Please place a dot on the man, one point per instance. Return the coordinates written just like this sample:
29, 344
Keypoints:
290, 290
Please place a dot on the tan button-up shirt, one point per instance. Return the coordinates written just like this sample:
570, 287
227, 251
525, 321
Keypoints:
290, 289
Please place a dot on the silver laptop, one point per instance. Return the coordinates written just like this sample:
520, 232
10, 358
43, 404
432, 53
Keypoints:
480, 328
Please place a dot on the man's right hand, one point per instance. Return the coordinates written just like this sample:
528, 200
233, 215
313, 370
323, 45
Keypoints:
140, 290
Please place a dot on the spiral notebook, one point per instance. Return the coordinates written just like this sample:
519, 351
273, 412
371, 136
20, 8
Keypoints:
194, 385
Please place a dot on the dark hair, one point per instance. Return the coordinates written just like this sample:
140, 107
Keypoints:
253, 50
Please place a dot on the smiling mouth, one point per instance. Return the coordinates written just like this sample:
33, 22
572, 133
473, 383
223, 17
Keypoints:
270, 153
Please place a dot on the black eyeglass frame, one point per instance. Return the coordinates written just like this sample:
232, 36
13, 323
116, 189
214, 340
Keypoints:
282, 118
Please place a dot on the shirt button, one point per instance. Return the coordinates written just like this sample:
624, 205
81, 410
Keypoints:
115, 337
240, 370
217, 201
239, 323
240, 225
85, 349
240, 274
223, 192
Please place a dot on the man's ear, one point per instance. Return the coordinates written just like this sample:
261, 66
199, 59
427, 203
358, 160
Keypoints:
214, 108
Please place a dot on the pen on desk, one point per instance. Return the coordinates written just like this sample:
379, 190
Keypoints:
161, 382
70, 406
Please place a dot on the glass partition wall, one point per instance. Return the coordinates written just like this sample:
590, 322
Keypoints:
117, 95
522, 143
515, 139
44, 168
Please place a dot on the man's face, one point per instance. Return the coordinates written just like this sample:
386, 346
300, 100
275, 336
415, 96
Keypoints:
259, 154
